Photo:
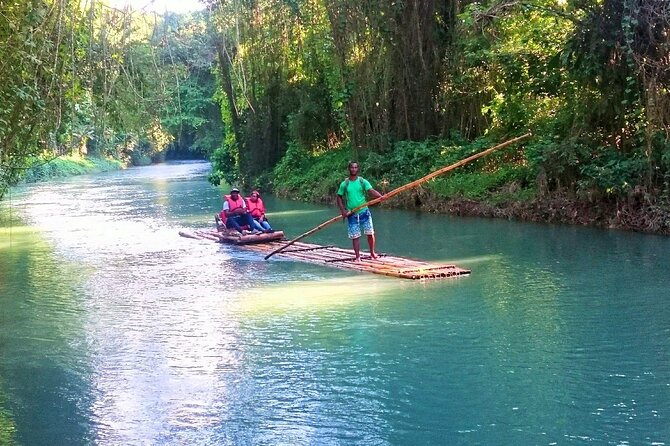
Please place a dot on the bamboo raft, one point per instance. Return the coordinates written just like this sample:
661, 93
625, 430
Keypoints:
386, 265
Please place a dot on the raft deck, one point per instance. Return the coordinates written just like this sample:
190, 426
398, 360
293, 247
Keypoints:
385, 264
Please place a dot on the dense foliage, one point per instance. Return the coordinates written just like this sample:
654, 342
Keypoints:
280, 93
84, 78
310, 77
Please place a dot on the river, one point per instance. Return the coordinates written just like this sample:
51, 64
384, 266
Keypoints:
116, 331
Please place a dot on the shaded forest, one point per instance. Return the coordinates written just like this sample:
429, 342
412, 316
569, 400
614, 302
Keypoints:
280, 94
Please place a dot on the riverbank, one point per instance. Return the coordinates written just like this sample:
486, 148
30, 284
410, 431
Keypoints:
70, 165
636, 213
510, 184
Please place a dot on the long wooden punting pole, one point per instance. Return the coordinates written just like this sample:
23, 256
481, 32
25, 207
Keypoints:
402, 189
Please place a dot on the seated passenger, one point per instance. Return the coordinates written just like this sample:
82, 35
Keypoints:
257, 210
235, 214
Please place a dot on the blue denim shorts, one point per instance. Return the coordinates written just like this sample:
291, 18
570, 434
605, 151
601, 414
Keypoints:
357, 221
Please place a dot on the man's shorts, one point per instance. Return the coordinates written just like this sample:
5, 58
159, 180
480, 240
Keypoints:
357, 221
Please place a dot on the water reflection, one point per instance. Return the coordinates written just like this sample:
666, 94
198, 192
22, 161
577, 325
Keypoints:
125, 333
325, 294
42, 367
167, 371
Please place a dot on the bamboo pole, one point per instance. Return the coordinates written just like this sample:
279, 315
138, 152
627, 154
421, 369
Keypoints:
403, 188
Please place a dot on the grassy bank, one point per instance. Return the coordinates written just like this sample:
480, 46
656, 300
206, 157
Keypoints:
503, 185
70, 165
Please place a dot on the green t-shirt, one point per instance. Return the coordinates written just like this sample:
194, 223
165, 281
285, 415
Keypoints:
355, 195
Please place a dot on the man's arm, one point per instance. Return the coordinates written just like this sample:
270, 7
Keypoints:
374, 193
230, 213
367, 187
340, 204
237, 211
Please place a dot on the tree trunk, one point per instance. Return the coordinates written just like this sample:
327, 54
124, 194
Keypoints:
227, 85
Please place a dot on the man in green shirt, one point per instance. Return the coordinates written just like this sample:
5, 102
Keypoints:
350, 195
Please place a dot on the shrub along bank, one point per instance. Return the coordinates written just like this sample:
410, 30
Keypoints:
508, 184
70, 165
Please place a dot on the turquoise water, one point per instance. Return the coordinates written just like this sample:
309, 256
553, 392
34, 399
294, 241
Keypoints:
116, 331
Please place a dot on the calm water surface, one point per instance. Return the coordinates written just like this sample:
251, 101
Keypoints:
116, 331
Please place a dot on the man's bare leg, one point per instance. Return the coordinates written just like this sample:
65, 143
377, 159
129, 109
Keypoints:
357, 248
371, 244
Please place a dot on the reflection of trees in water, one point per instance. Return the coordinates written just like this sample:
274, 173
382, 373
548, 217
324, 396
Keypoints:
40, 321
7, 426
